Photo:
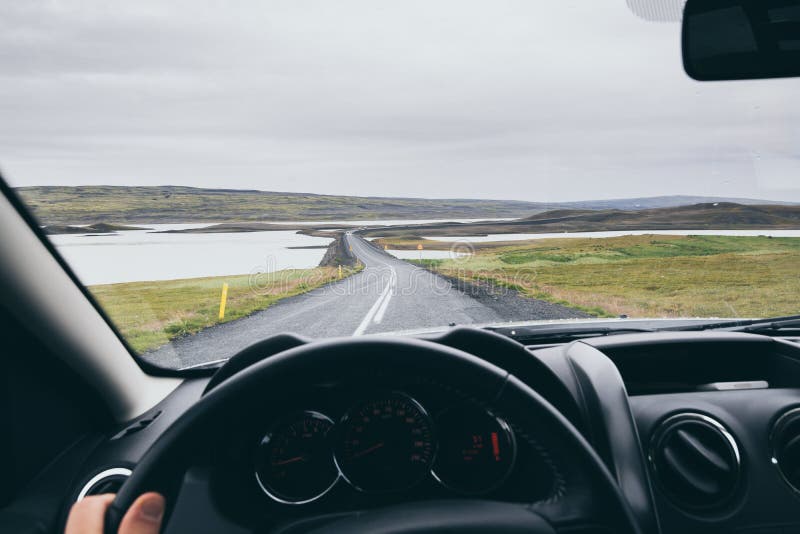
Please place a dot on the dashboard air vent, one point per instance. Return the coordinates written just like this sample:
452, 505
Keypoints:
108, 481
696, 461
786, 447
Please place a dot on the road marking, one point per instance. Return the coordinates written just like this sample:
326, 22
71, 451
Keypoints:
392, 282
378, 309
370, 316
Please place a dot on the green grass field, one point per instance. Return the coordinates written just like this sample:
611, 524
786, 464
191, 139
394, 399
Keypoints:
642, 276
150, 314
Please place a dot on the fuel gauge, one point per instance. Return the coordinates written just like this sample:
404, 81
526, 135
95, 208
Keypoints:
477, 450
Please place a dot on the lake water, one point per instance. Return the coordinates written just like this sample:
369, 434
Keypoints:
525, 237
141, 255
392, 222
138, 255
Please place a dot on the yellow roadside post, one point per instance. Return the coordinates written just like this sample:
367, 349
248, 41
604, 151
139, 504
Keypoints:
340, 271
419, 247
222, 301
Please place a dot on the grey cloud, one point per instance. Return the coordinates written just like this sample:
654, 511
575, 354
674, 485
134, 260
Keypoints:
534, 99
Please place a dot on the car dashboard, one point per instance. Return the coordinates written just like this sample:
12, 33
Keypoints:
699, 429
346, 447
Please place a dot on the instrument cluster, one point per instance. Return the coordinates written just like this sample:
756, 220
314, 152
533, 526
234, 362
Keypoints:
385, 443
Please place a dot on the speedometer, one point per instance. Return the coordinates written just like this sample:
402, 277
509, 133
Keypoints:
385, 444
294, 464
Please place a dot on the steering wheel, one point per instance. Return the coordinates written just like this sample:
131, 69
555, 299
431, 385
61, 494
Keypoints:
589, 496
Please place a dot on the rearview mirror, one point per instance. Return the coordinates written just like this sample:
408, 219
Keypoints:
741, 39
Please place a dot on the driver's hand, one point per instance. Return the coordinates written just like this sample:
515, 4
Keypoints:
143, 517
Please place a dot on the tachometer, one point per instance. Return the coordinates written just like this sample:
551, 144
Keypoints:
385, 444
476, 450
294, 461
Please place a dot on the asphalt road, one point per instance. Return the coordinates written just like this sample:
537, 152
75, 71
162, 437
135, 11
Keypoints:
387, 295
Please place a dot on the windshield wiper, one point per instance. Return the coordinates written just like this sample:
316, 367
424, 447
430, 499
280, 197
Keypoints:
770, 325
773, 324
562, 333
214, 364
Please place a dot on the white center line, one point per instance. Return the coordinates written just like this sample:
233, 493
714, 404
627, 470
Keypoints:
378, 309
385, 303
373, 310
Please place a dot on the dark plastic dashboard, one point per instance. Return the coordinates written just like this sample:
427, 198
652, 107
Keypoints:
743, 383
356, 463
692, 425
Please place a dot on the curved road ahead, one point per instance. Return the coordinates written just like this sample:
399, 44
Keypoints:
387, 295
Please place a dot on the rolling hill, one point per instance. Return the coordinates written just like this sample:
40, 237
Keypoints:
153, 205
61, 205
705, 216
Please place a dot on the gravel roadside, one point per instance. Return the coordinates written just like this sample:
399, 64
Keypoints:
512, 305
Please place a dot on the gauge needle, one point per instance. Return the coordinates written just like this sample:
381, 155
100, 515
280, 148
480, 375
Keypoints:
289, 460
369, 450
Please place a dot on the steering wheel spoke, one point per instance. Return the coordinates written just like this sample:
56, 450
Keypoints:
442, 517
194, 510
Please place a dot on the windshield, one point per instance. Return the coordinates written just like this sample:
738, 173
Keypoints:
216, 173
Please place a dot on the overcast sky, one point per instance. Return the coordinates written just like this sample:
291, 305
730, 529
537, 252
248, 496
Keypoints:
526, 99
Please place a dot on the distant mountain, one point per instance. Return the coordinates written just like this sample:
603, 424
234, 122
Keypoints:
170, 204
57, 205
706, 216
711, 215
644, 203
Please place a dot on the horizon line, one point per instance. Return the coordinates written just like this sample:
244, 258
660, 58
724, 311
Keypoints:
540, 202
